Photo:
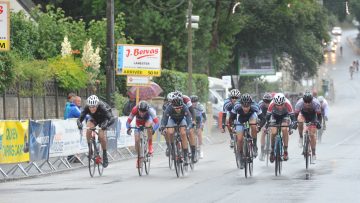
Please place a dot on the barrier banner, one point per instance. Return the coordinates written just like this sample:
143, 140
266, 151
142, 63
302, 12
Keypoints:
64, 138
14, 141
125, 140
111, 136
39, 140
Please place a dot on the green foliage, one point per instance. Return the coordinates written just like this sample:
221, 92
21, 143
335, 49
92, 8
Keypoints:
25, 72
24, 36
120, 101
173, 80
68, 73
6, 70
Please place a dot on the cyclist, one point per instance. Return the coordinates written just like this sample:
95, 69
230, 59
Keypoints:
177, 114
324, 110
308, 109
281, 112
229, 103
145, 116
200, 120
246, 110
264, 105
99, 115
191, 131
167, 102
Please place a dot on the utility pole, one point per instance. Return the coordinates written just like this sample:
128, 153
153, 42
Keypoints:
190, 47
110, 69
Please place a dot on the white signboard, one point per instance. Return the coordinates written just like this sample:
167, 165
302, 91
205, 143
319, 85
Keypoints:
4, 26
137, 81
143, 60
227, 80
261, 64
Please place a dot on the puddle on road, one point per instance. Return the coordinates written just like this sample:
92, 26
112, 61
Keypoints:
112, 182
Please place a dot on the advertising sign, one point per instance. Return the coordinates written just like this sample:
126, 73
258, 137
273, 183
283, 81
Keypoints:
14, 141
39, 140
260, 64
137, 81
4, 26
140, 60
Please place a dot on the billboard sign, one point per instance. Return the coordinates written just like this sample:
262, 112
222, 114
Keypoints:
4, 26
139, 60
260, 64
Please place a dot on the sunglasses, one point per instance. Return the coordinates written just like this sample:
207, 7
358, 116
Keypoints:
92, 107
234, 97
245, 105
178, 107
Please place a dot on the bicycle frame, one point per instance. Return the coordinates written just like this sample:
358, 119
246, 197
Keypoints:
177, 151
94, 158
143, 155
278, 148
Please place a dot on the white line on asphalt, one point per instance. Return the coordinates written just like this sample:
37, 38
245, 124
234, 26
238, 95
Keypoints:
346, 139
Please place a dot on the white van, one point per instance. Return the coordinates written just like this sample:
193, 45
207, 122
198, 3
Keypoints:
218, 91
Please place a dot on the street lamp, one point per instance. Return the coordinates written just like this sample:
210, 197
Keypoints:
236, 5
192, 22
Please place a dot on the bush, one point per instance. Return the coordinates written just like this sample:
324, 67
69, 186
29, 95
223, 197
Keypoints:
120, 102
68, 73
6, 70
173, 80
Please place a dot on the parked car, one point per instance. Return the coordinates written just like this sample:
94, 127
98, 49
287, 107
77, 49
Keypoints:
336, 31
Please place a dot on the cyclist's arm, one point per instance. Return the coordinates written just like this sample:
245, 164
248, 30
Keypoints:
165, 118
83, 114
187, 116
192, 112
152, 113
133, 113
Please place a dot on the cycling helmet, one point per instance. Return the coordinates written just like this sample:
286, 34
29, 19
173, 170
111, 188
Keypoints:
321, 98
267, 98
178, 93
143, 106
194, 98
170, 96
307, 97
177, 102
245, 99
235, 93
93, 100
279, 99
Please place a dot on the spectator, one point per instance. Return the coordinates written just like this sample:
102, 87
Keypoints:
128, 107
71, 97
74, 110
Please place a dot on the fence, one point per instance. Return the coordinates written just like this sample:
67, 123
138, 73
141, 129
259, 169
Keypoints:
16, 106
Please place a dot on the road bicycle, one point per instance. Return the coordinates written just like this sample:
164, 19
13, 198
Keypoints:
306, 144
278, 147
144, 158
95, 159
177, 152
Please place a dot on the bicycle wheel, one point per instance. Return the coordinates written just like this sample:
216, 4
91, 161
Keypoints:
171, 158
141, 157
91, 157
278, 160
100, 164
250, 161
306, 150
147, 158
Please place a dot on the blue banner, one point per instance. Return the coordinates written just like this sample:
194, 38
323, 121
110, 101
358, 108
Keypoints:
39, 140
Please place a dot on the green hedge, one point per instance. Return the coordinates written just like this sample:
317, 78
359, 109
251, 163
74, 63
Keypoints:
173, 80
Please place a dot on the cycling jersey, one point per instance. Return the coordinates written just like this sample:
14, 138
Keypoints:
264, 108
101, 115
311, 113
280, 113
150, 115
177, 117
238, 113
227, 107
188, 103
324, 108
199, 113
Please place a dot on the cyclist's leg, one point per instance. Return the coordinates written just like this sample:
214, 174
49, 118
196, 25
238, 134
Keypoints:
240, 141
192, 142
170, 131
149, 132
230, 131
262, 142
285, 132
102, 138
301, 120
273, 131
90, 124
253, 128
312, 132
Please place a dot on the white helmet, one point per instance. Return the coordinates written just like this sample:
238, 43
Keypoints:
93, 100
235, 93
321, 98
279, 99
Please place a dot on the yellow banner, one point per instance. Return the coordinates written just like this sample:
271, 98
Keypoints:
142, 72
14, 141
4, 45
